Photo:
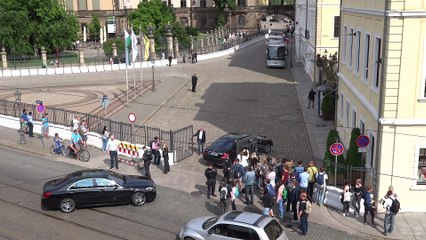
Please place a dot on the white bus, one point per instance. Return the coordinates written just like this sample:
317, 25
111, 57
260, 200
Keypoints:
275, 54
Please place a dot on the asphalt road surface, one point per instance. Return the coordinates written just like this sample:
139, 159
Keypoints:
22, 176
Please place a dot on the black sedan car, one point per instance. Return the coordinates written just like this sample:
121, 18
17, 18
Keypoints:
233, 142
96, 188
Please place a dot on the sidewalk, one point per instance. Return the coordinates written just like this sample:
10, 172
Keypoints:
407, 225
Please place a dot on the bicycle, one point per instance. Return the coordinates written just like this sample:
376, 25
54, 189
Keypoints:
58, 150
82, 155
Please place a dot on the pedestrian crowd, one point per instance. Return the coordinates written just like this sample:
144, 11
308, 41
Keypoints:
27, 123
288, 188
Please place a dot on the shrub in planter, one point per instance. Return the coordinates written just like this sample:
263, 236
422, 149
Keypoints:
353, 157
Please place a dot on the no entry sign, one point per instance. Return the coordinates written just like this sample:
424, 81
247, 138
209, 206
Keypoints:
362, 141
132, 117
336, 149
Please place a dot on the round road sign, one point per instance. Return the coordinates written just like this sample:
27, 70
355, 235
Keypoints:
132, 117
336, 149
41, 108
362, 141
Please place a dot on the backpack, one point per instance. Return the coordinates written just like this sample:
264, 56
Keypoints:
320, 179
271, 190
237, 192
223, 193
147, 155
308, 207
395, 207
284, 195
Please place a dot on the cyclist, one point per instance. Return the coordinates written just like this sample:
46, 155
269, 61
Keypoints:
75, 141
58, 143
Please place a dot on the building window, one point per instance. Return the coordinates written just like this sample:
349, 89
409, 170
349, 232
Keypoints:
95, 5
353, 118
183, 21
341, 105
357, 49
422, 167
241, 3
366, 56
351, 46
241, 21
345, 43
371, 151
361, 127
70, 5
203, 3
348, 106
182, 3
204, 22
336, 26
423, 89
273, 2
377, 62
82, 4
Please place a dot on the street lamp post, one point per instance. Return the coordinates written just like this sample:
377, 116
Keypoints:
18, 95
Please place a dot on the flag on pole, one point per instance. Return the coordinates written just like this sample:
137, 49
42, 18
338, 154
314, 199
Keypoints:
146, 43
134, 46
126, 45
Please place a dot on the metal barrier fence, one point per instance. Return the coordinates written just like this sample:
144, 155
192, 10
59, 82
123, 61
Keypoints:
178, 140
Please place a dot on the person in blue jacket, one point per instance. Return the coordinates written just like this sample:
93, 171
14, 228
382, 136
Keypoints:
369, 205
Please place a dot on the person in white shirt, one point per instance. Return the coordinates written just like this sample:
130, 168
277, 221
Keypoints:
243, 157
321, 179
112, 147
30, 124
201, 139
389, 216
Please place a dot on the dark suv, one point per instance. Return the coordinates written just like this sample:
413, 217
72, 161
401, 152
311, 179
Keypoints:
233, 142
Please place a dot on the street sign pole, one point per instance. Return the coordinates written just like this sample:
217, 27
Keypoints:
335, 170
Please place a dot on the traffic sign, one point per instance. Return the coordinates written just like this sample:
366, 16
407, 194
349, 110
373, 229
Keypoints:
362, 141
132, 117
41, 108
336, 149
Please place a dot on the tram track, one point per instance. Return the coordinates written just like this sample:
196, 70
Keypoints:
110, 216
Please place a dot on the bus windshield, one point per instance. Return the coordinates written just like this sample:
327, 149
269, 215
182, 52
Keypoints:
276, 53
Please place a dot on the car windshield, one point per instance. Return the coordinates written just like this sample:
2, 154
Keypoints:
223, 145
209, 222
273, 230
276, 52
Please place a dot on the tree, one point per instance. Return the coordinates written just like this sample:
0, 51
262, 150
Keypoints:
353, 157
221, 5
94, 28
158, 15
28, 25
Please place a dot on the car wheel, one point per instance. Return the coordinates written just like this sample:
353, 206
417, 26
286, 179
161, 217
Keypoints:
138, 198
67, 205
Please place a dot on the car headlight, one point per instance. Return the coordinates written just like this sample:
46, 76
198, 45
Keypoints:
150, 189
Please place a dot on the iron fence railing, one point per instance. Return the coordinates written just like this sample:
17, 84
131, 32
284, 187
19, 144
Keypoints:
178, 140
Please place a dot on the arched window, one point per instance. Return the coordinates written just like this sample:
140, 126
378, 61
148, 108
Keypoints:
241, 21
204, 22
184, 21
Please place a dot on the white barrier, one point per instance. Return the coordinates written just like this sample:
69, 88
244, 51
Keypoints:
332, 199
113, 67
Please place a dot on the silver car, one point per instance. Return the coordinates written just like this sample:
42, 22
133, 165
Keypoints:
233, 225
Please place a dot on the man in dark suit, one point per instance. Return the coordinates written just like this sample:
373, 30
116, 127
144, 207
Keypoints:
194, 80
201, 139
